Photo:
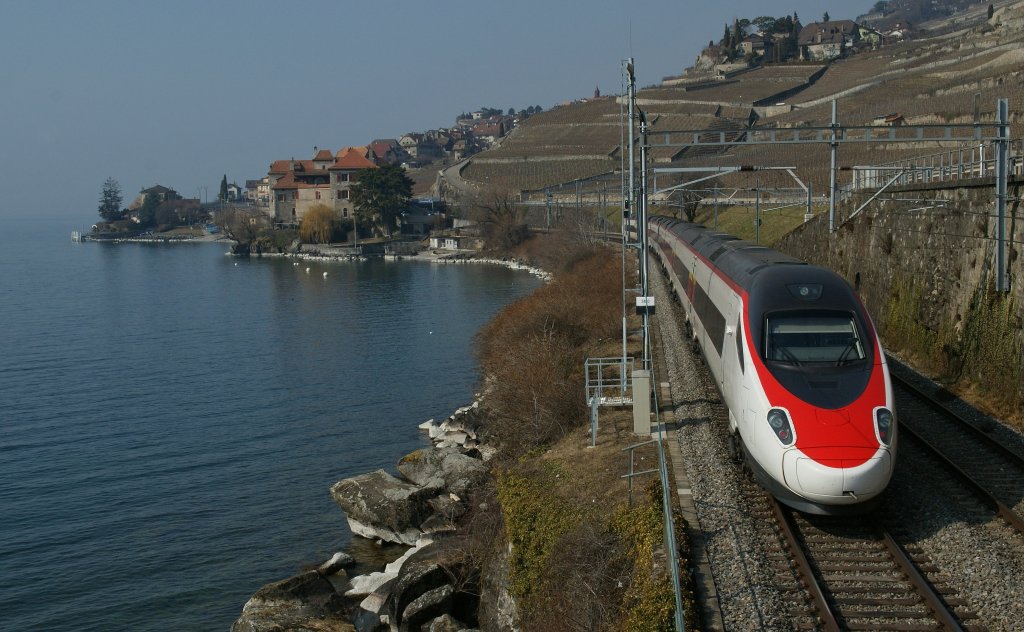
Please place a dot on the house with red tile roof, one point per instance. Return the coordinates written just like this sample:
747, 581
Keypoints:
161, 192
323, 158
387, 151
298, 185
489, 130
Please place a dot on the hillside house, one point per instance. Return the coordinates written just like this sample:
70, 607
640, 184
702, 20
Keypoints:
421, 147
869, 36
758, 45
460, 149
488, 131
898, 31
891, 120
822, 41
410, 143
387, 151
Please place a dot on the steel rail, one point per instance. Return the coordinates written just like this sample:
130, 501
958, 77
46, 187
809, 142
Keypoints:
970, 427
785, 521
830, 620
1007, 514
1012, 518
923, 587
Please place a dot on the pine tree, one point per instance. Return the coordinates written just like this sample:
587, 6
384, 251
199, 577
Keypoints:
380, 195
223, 195
110, 200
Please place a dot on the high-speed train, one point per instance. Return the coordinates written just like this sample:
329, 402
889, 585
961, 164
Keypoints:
797, 361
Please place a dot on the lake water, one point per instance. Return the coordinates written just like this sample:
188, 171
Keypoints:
171, 418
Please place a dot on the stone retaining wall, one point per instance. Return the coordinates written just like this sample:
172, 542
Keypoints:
927, 277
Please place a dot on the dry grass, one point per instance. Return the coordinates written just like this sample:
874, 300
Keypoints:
581, 556
533, 351
579, 112
746, 90
739, 221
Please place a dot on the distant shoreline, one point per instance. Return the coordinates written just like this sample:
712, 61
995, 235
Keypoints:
155, 238
427, 255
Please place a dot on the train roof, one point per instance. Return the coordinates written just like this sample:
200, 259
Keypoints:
740, 260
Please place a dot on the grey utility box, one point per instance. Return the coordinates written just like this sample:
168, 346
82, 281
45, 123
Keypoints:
641, 402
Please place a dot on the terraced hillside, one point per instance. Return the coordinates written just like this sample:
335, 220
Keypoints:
931, 80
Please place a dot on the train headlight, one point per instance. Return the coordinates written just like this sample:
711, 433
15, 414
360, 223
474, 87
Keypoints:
885, 423
779, 422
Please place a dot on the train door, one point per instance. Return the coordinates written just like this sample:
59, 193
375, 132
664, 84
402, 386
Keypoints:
734, 384
691, 281
730, 360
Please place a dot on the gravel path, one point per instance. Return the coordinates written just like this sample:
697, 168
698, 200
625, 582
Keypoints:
737, 545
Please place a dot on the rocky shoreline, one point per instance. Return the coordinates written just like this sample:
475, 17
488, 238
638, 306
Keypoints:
417, 591
443, 257
426, 587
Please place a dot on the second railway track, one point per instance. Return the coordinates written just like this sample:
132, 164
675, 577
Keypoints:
991, 469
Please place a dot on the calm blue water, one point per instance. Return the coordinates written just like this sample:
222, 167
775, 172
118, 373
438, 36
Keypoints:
171, 419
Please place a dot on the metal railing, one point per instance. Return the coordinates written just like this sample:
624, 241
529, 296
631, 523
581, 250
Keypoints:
966, 161
607, 380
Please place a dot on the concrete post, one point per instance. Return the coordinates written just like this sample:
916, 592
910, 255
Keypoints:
641, 402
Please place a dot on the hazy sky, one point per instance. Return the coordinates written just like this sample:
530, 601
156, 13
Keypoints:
182, 92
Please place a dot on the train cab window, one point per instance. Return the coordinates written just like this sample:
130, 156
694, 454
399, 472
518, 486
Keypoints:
813, 337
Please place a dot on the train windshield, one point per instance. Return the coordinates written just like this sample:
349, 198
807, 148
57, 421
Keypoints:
813, 338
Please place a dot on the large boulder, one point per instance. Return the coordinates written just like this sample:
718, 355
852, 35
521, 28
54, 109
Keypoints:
428, 606
447, 509
436, 579
381, 506
305, 602
445, 468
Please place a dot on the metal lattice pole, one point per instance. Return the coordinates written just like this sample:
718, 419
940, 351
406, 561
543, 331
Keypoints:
1002, 158
834, 149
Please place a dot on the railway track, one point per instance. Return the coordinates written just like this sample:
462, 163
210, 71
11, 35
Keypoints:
991, 470
848, 574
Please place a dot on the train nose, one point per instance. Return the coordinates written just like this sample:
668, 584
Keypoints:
831, 479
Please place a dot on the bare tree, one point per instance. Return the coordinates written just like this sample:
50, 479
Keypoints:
501, 216
241, 225
688, 203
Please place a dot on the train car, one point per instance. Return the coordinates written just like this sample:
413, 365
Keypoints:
797, 361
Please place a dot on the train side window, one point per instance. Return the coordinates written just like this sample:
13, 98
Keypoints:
739, 343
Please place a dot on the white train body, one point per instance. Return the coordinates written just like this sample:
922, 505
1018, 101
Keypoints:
797, 361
